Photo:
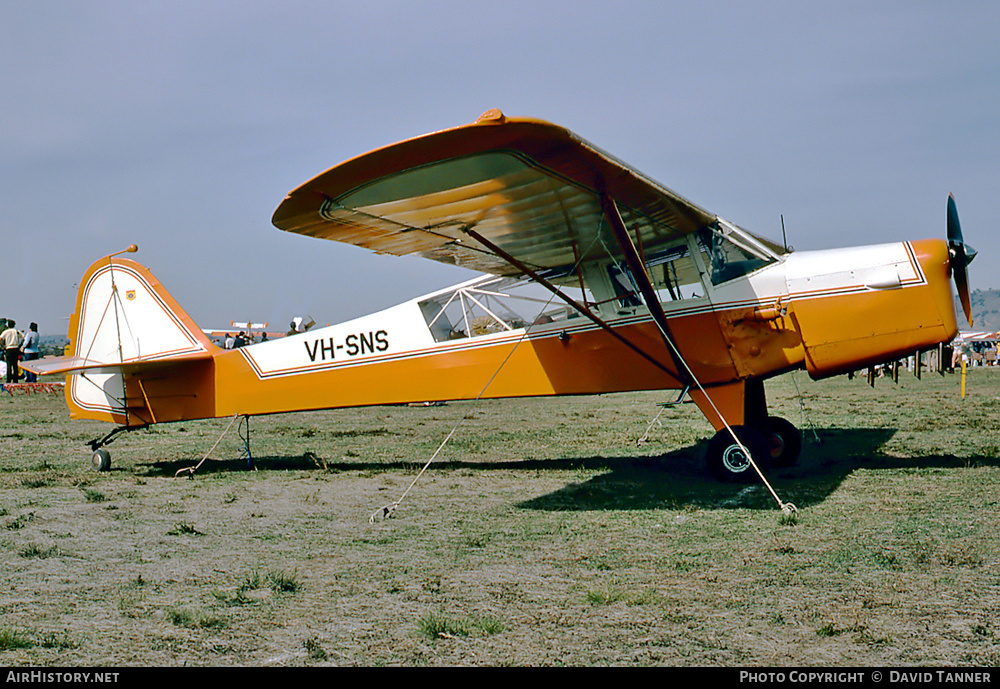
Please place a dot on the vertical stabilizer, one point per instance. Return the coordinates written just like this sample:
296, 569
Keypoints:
125, 325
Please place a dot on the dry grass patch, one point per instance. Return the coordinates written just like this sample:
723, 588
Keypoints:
545, 535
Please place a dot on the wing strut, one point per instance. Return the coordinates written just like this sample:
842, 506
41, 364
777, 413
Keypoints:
572, 302
641, 277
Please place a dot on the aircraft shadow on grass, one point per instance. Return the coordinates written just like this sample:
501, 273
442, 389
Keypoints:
674, 480
679, 479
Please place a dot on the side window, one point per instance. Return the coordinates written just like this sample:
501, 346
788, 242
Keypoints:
674, 274
494, 305
672, 271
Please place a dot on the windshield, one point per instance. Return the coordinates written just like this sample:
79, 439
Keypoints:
729, 255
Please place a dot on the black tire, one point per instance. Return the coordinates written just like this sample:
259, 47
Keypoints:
785, 442
101, 460
728, 462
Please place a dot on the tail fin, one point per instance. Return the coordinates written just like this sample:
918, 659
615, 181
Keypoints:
132, 350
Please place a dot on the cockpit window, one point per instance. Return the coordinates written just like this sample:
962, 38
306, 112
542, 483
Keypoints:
672, 272
728, 255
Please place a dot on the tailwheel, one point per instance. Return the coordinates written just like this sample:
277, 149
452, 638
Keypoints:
729, 462
784, 440
101, 460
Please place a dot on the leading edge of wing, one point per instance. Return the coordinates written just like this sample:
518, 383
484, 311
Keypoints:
531, 187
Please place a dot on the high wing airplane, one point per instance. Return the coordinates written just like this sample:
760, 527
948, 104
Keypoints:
634, 288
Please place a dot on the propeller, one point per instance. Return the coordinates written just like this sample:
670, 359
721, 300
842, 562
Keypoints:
961, 256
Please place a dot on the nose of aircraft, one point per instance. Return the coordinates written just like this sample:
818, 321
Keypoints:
961, 256
862, 305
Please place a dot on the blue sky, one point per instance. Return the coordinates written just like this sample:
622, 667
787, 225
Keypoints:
180, 126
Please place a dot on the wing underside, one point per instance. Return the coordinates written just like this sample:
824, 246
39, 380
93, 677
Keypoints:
531, 188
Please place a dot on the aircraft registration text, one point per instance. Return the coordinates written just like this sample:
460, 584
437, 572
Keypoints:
355, 344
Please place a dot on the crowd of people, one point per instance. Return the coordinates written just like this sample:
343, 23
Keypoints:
978, 353
242, 340
17, 347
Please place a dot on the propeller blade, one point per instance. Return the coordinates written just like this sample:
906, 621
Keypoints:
954, 227
962, 284
961, 257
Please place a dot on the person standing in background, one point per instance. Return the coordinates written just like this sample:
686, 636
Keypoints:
10, 339
29, 348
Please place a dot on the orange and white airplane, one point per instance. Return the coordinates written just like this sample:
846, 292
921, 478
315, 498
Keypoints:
635, 288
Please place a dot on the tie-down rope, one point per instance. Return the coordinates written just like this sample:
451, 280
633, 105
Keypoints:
386, 511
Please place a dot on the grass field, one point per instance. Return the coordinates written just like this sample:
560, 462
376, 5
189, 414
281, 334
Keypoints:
542, 535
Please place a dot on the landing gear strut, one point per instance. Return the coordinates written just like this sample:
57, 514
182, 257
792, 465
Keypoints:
101, 459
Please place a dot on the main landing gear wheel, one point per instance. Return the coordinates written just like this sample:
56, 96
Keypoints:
785, 441
101, 460
729, 462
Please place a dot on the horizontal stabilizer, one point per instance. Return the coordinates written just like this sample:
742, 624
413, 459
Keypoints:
78, 364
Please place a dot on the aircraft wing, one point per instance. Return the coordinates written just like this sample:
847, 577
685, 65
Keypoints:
529, 187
